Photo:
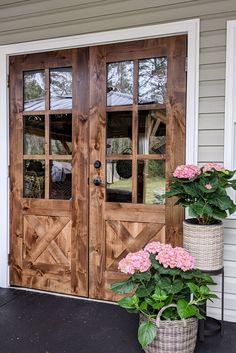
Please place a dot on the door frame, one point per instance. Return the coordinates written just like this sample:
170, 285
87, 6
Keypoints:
189, 27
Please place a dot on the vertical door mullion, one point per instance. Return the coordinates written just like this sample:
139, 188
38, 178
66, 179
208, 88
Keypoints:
47, 137
135, 133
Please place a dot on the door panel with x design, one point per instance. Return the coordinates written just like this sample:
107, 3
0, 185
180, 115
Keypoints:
47, 251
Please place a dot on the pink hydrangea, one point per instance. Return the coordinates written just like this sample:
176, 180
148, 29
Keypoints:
212, 166
175, 258
137, 261
187, 171
154, 247
208, 186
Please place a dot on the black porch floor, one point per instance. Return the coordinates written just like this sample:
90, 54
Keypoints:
41, 323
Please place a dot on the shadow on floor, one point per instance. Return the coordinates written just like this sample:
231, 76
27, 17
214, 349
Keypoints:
41, 323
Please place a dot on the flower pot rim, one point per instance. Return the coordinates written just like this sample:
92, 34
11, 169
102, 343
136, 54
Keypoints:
192, 221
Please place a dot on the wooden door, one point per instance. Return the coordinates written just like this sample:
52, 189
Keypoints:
48, 171
94, 135
137, 132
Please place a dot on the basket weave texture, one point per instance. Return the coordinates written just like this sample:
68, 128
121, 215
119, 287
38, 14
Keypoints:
206, 244
177, 336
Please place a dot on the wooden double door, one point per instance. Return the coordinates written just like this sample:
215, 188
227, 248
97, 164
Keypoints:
94, 135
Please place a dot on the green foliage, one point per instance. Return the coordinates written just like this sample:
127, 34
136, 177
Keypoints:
205, 204
146, 333
123, 287
156, 168
159, 287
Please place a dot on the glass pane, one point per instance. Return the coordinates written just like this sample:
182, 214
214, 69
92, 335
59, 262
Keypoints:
152, 132
119, 181
60, 180
152, 80
151, 182
61, 134
120, 83
34, 134
34, 90
34, 179
119, 133
61, 88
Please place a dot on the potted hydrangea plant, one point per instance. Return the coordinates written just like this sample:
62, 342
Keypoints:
166, 291
204, 192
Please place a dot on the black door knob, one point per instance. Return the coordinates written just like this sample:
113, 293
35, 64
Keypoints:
97, 164
97, 181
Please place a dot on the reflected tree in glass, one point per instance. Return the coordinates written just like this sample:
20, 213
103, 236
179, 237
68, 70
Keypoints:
61, 88
34, 178
34, 90
152, 80
151, 181
120, 83
61, 134
34, 132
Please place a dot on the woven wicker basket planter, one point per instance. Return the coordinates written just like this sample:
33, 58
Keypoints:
173, 336
205, 243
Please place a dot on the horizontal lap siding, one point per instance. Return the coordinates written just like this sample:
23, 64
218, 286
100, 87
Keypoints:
36, 19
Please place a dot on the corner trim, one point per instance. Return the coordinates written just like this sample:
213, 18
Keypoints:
230, 104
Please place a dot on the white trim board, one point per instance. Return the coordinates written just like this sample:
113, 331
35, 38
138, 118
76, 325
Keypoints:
230, 104
190, 27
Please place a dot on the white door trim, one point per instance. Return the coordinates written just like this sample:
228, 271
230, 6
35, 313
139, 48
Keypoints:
190, 27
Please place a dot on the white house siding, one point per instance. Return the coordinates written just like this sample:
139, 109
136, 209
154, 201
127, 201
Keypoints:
25, 20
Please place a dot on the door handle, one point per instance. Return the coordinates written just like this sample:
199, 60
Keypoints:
97, 181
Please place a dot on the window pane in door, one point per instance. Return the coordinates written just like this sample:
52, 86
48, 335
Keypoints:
34, 179
119, 181
34, 90
61, 88
60, 180
120, 83
119, 133
61, 134
151, 181
34, 134
152, 132
152, 80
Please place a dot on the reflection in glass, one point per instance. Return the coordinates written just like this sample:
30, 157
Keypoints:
34, 134
61, 88
34, 179
152, 132
60, 180
34, 90
119, 133
152, 80
119, 181
120, 83
61, 134
151, 181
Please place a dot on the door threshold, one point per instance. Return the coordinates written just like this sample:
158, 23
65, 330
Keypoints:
70, 296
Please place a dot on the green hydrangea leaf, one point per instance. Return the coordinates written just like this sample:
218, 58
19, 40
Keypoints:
186, 310
146, 333
123, 287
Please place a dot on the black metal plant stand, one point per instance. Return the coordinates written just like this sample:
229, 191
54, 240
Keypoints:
212, 326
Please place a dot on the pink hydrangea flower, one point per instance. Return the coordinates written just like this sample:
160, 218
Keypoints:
212, 166
137, 261
208, 186
187, 171
175, 258
154, 247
